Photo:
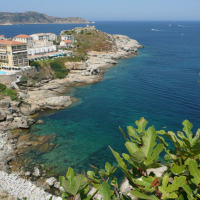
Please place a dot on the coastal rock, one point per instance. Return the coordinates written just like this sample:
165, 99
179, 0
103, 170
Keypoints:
20, 122
97, 196
158, 171
57, 185
55, 102
2, 115
126, 188
20, 188
51, 181
9, 118
29, 109
37, 172
4, 104
27, 173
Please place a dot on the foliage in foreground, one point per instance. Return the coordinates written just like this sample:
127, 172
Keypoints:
181, 180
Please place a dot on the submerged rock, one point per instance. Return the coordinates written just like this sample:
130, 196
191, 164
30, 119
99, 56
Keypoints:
40, 121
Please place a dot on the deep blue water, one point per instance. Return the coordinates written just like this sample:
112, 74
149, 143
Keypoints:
160, 84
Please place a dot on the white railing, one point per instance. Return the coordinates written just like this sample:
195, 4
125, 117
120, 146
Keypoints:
15, 85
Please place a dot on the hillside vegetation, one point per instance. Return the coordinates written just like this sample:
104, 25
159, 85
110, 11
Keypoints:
36, 18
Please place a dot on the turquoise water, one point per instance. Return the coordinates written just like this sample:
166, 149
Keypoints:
2, 72
160, 84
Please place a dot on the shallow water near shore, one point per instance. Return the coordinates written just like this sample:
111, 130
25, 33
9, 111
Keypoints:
160, 84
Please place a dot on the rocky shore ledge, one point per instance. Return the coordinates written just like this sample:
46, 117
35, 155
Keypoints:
15, 115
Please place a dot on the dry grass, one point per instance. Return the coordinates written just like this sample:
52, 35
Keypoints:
92, 40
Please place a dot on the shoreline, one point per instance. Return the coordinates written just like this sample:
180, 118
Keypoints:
45, 23
49, 94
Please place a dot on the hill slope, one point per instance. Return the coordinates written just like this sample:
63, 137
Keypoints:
36, 18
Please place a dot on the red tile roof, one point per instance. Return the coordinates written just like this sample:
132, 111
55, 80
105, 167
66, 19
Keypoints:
22, 36
2, 35
7, 42
67, 41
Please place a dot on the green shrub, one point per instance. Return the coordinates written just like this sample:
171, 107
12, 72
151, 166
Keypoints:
60, 71
38, 76
82, 32
34, 63
24, 79
60, 75
88, 34
10, 92
181, 180
56, 67
2, 87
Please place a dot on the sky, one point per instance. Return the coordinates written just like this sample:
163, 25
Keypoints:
109, 9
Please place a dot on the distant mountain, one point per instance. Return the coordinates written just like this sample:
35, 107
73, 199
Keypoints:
36, 18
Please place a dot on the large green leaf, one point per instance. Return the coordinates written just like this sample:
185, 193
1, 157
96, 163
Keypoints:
108, 166
123, 133
143, 196
132, 147
176, 169
133, 134
141, 125
79, 183
187, 129
122, 164
138, 159
105, 191
149, 141
70, 176
172, 136
146, 183
120, 161
194, 171
162, 141
155, 155
167, 189
114, 182
189, 192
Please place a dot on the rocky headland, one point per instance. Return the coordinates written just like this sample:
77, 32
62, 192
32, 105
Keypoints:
16, 119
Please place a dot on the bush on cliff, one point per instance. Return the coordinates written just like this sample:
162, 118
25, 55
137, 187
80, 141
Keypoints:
2, 87
38, 76
180, 181
24, 79
60, 71
10, 92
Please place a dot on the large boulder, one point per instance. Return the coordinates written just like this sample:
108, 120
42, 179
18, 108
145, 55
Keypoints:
20, 122
2, 115
4, 104
55, 102
51, 181
29, 109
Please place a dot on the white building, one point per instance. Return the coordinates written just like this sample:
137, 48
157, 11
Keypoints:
42, 43
67, 37
2, 37
24, 38
52, 36
44, 36
66, 43
41, 50
40, 36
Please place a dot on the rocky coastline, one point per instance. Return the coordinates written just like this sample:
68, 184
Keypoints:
15, 119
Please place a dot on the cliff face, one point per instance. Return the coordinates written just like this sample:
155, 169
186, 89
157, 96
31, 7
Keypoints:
36, 18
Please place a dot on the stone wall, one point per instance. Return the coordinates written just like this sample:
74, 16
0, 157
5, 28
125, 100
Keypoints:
8, 78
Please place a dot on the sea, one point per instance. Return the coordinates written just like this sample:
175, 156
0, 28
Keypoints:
160, 84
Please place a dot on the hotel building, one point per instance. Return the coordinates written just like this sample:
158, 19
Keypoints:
13, 53
24, 38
